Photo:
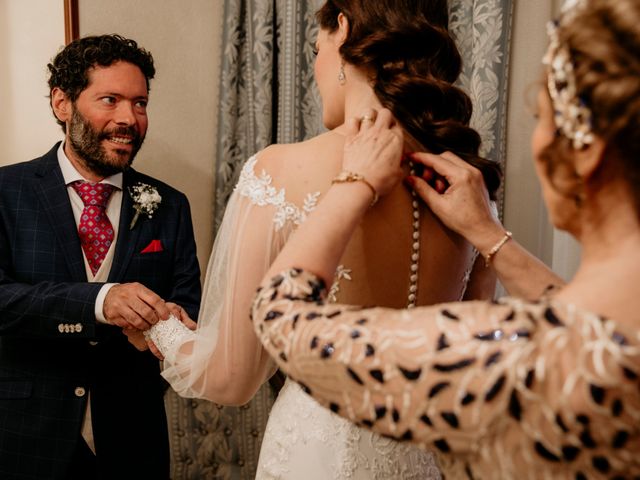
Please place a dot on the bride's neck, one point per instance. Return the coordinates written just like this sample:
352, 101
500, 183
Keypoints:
360, 98
360, 102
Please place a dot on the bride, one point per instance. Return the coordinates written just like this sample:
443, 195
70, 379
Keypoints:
396, 54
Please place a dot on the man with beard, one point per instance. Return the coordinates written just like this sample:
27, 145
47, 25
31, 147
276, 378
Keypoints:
89, 248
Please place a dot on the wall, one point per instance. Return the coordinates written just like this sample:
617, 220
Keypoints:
31, 32
184, 38
524, 213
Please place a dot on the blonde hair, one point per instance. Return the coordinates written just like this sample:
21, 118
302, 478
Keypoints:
603, 38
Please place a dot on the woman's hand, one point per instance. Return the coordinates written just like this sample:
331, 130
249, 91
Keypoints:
373, 149
456, 193
136, 338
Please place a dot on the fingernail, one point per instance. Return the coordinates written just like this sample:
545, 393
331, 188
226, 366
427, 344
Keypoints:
410, 181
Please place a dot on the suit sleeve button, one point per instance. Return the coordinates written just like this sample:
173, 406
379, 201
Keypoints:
61, 328
78, 327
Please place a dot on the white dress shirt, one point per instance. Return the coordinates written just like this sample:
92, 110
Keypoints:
70, 175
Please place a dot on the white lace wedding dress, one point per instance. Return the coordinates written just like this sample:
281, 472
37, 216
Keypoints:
302, 440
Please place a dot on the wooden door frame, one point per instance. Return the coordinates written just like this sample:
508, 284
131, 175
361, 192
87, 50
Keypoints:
71, 27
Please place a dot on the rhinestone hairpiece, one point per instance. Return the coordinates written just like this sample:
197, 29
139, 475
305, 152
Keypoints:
571, 5
572, 116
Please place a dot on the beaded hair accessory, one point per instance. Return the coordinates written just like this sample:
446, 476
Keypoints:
572, 116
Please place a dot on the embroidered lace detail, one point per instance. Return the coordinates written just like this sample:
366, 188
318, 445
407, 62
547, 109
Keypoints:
341, 273
260, 191
467, 273
305, 440
258, 188
167, 334
301, 436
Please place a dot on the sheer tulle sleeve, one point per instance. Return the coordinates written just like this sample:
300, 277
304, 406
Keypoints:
223, 361
504, 384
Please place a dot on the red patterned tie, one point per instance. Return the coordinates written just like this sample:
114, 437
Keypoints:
95, 229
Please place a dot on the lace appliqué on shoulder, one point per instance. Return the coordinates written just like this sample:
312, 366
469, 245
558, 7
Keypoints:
260, 191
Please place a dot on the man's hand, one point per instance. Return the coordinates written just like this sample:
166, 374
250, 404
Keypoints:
132, 305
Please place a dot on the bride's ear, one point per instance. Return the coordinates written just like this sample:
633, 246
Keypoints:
343, 28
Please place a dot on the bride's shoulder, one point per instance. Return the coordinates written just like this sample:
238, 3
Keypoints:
284, 160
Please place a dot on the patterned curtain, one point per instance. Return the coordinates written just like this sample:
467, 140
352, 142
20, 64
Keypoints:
267, 92
482, 29
267, 95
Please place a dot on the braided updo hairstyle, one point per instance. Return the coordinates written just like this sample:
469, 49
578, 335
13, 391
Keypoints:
412, 61
604, 44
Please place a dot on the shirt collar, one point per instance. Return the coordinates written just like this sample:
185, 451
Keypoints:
70, 174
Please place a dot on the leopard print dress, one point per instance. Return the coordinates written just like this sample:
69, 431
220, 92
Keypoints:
502, 390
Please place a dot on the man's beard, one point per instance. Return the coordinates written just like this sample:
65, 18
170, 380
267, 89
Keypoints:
87, 144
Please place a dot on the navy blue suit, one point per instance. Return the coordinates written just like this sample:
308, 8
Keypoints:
51, 347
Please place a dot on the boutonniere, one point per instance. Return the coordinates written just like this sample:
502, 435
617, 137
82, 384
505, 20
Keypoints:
146, 199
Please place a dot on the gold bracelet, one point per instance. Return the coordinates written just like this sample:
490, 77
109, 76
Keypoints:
497, 247
348, 177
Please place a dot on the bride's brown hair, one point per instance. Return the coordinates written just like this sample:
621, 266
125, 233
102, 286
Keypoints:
412, 61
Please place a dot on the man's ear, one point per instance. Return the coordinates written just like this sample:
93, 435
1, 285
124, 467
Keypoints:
60, 104
343, 28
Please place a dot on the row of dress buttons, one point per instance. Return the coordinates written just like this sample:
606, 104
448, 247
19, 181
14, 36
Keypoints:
70, 328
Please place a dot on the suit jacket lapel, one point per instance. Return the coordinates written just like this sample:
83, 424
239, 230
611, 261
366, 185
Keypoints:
127, 237
54, 199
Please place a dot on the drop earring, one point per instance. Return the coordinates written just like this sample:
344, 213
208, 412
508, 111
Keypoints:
342, 78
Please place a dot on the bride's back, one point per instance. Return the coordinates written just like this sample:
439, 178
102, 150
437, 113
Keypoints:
396, 54
377, 265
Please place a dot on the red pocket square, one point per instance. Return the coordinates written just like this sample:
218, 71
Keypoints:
154, 246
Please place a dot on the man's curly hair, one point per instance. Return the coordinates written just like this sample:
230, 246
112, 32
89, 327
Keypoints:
69, 70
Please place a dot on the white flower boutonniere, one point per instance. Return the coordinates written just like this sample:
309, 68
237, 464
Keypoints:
146, 199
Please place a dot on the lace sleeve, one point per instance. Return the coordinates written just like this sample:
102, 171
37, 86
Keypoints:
168, 335
491, 382
223, 361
